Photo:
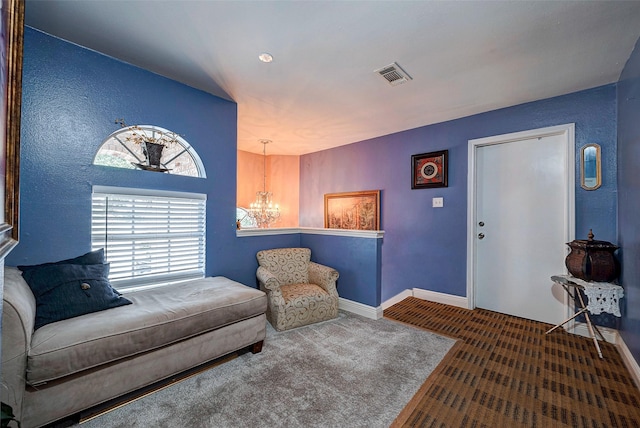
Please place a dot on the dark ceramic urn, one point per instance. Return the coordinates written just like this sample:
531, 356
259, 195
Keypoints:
592, 260
153, 153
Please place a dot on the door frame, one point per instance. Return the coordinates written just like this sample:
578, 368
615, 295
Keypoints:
568, 132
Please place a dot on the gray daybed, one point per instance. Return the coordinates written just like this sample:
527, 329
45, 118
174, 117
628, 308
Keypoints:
71, 365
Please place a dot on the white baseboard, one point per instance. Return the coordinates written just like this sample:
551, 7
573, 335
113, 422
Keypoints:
397, 298
377, 313
447, 299
628, 359
360, 309
581, 329
432, 296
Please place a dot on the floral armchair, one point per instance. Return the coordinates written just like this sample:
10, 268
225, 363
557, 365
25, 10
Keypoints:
299, 291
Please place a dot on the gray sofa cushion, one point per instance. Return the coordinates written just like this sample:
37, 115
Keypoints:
158, 317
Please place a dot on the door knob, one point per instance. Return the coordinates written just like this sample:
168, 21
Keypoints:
480, 235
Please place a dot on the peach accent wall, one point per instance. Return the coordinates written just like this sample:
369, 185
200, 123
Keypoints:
249, 179
283, 180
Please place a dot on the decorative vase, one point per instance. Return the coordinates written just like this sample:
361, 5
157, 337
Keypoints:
592, 260
153, 153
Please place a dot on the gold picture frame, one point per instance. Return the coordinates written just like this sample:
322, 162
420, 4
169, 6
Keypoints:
352, 210
13, 36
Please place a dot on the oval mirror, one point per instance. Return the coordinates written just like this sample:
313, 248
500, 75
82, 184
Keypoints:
590, 167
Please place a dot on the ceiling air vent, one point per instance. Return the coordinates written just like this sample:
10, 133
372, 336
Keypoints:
393, 74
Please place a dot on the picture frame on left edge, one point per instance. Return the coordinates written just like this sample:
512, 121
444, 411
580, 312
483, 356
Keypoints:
12, 35
429, 170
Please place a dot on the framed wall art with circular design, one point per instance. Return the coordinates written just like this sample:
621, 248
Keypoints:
429, 170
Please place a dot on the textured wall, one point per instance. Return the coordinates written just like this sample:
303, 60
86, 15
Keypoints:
426, 247
629, 198
71, 97
250, 177
284, 179
356, 259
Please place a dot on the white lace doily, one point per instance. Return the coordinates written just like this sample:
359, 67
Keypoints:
603, 296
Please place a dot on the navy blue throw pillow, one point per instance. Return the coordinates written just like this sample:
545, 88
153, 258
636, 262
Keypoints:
69, 290
91, 258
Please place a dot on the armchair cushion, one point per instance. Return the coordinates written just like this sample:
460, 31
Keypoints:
299, 295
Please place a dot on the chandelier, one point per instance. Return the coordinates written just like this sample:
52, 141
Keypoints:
263, 210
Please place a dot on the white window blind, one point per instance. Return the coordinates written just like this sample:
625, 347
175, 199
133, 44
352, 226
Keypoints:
149, 237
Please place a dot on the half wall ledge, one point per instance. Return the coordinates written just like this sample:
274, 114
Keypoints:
372, 234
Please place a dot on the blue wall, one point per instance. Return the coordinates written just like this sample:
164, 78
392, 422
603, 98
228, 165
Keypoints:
358, 260
426, 247
629, 198
71, 97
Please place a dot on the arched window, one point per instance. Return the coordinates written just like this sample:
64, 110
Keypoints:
246, 222
120, 150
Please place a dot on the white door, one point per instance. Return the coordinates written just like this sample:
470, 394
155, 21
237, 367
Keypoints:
522, 221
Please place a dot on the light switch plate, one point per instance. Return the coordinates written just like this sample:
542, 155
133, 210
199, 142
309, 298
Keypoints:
438, 202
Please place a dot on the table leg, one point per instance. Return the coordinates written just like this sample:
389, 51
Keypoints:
590, 326
593, 335
599, 334
581, 311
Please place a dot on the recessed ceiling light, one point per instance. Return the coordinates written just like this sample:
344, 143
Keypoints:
265, 57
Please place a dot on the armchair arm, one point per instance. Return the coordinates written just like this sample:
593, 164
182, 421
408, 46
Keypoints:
324, 276
267, 279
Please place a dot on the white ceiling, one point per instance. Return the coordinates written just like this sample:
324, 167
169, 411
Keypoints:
320, 90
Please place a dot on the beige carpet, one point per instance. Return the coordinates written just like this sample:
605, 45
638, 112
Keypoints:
348, 372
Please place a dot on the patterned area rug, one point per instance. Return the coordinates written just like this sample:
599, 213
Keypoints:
505, 372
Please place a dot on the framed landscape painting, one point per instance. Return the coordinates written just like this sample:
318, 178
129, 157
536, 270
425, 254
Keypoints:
352, 210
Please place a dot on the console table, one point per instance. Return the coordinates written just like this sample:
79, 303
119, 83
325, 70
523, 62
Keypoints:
603, 297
